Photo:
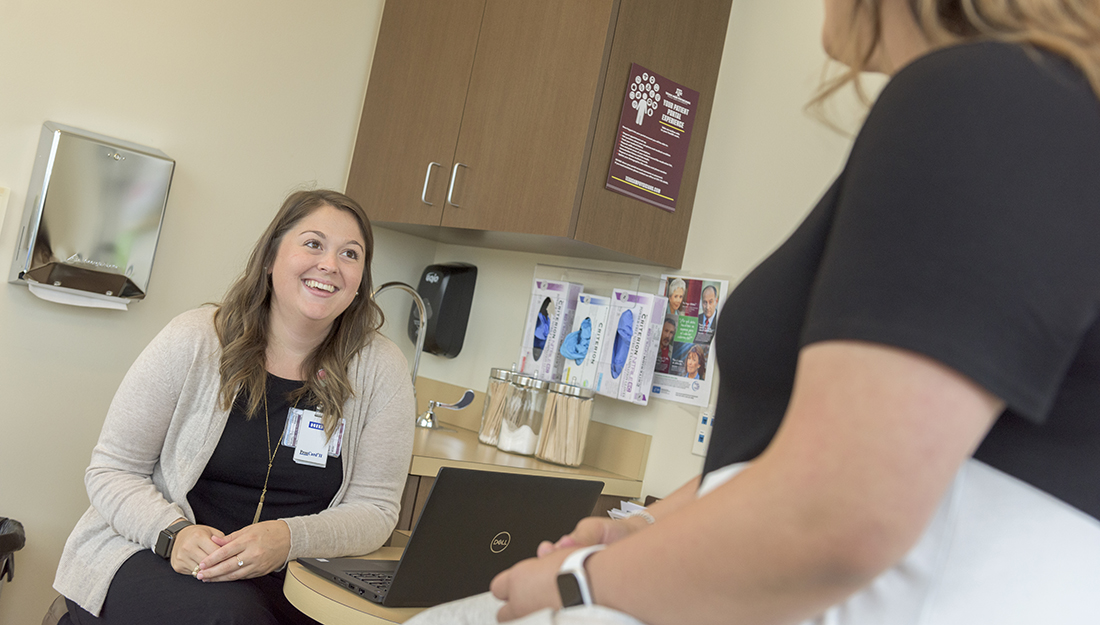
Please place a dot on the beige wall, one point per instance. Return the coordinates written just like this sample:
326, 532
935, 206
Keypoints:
255, 98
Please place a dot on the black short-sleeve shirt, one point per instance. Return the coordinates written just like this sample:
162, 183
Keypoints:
966, 227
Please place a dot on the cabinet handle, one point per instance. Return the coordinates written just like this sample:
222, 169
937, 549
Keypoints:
451, 190
427, 177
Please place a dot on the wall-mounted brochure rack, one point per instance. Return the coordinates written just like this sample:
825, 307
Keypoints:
594, 329
597, 282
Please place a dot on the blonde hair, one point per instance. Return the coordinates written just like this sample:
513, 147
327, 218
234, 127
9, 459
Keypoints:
1070, 28
242, 319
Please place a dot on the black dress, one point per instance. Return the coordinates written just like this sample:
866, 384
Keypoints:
147, 590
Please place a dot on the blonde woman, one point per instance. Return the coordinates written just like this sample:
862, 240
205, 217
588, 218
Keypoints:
908, 424
205, 481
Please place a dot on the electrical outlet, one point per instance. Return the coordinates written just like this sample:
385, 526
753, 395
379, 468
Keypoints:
702, 433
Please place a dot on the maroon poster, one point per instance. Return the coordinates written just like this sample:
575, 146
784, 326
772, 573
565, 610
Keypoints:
654, 132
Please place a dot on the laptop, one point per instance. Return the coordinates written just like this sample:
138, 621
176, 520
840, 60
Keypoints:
474, 525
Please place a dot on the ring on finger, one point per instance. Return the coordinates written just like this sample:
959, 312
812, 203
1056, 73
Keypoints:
240, 562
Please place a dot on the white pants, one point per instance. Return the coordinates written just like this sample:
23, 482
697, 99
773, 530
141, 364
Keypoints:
997, 551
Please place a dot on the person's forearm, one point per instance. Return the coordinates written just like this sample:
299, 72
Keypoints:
346, 529
675, 500
872, 438
130, 504
717, 560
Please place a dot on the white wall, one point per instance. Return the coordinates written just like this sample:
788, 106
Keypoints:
254, 98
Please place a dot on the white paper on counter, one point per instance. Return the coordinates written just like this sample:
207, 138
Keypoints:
624, 509
66, 296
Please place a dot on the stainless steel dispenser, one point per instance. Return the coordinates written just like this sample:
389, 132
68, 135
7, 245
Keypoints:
92, 216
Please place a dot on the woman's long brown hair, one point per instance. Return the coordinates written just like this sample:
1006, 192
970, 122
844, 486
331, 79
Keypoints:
242, 319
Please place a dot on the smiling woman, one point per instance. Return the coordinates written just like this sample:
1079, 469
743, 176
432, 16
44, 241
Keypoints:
320, 236
190, 460
317, 269
315, 277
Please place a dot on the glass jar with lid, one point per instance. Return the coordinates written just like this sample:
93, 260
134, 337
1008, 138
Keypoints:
565, 424
493, 413
522, 422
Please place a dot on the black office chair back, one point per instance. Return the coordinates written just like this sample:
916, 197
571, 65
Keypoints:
12, 539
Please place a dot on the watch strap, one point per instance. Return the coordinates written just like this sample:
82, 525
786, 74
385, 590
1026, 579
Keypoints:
573, 566
167, 538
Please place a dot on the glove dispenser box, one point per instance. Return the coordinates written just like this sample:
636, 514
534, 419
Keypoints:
625, 369
549, 319
448, 293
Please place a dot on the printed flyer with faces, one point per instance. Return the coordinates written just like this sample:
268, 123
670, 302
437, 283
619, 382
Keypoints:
685, 361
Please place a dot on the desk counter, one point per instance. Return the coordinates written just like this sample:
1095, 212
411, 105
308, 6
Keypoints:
330, 604
614, 456
460, 448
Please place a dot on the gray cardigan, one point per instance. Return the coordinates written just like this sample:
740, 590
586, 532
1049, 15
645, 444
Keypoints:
163, 425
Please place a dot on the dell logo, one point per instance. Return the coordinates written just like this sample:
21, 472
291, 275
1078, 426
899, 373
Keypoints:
500, 542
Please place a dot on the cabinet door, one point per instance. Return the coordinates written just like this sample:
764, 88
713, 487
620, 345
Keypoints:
684, 45
413, 108
529, 115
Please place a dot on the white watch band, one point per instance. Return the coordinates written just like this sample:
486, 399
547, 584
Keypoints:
642, 513
574, 564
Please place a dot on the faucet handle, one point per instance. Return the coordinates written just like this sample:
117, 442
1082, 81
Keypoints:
427, 420
466, 399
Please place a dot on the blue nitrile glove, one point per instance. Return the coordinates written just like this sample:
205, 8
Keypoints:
622, 343
575, 345
542, 328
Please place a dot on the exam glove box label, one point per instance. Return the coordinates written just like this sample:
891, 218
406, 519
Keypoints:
647, 363
549, 319
631, 340
596, 309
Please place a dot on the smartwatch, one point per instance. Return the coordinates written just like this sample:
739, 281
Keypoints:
573, 580
167, 538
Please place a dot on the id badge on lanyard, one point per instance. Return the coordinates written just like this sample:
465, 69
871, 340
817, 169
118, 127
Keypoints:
305, 432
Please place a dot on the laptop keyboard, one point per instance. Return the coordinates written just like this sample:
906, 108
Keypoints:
380, 581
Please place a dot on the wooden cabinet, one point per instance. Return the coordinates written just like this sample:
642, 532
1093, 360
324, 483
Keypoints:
492, 122
413, 108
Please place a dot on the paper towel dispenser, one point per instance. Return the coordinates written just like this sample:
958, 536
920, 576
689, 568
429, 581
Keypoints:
92, 216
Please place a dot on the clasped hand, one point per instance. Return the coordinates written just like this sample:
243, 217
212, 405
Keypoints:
209, 555
531, 585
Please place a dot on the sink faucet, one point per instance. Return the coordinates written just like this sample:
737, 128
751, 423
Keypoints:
421, 327
427, 420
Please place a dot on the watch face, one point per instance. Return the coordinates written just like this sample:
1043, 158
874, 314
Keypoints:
163, 541
570, 590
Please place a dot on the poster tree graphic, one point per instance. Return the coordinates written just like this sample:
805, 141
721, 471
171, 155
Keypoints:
645, 94
652, 140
